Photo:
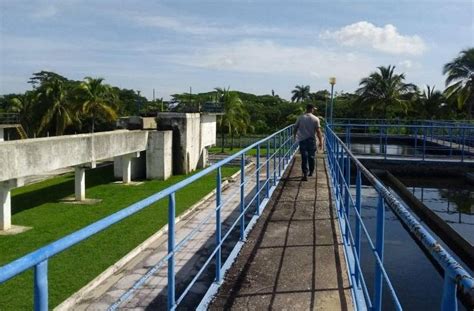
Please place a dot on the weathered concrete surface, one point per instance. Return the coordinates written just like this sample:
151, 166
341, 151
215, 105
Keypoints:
192, 133
158, 155
28, 157
293, 258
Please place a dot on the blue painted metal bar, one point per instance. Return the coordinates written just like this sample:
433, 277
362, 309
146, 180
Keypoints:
257, 182
274, 161
357, 222
171, 260
267, 167
454, 272
218, 224
242, 197
449, 302
41, 286
379, 246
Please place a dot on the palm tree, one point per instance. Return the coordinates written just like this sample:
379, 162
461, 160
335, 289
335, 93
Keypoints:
385, 89
300, 93
23, 105
431, 100
96, 99
235, 118
53, 100
460, 79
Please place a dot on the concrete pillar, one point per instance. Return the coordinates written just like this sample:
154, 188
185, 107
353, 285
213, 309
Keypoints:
5, 202
80, 183
126, 169
2, 138
5, 208
159, 160
204, 158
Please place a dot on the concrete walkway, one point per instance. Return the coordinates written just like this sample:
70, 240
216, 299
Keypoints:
293, 259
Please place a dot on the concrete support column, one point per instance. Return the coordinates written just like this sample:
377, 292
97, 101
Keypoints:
159, 160
204, 158
5, 202
5, 208
80, 183
2, 138
126, 169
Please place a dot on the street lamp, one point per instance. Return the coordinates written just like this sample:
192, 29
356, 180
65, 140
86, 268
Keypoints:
332, 81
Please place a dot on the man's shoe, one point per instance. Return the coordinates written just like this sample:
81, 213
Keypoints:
304, 178
310, 174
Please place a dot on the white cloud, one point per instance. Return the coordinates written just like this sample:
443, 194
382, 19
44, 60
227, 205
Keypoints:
385, 39
408, 64
264, 56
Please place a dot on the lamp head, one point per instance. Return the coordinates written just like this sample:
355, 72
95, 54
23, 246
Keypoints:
332, 80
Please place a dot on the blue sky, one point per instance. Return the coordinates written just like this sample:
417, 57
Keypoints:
253, 46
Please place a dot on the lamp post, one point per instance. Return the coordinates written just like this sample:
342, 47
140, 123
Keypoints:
332, 81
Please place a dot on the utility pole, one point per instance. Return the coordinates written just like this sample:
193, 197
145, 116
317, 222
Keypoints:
332, 81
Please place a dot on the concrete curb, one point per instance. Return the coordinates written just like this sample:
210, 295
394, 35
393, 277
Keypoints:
69, 303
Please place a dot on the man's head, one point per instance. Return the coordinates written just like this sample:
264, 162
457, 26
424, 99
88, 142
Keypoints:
309, 108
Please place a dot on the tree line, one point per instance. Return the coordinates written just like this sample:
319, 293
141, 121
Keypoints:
56, 105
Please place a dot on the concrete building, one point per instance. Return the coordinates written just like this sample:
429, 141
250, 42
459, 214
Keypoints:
178, 147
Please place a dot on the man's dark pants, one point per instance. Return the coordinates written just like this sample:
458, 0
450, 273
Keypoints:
308, 151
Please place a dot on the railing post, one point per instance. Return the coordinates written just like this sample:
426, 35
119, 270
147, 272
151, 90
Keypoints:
279, 154
416, 141
450, 141
41, 286
463, 143
257, 182
379, 247
386, 142
424, 142
274, 160
218, 224
267, 167
171, 244
450, 301
346, 199
357, 222
242, 197
341, 179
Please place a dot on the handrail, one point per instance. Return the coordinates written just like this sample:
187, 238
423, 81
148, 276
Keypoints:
340, 159
9, 118
39, 258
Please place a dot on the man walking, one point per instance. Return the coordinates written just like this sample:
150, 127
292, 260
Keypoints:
306, 127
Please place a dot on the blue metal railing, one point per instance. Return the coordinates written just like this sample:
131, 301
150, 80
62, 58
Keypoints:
280, 149
424, 142
340, 161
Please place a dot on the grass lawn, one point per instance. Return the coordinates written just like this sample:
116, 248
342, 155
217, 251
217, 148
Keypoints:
37, 206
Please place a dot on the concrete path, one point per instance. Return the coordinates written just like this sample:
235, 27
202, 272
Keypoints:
151, 295
293, 259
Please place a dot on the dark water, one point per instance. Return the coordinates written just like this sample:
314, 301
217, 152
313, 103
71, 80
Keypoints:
450, 199
416, 282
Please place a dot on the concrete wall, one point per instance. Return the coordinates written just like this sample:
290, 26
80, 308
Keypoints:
192, 132
208, 130
28, 157
159, 161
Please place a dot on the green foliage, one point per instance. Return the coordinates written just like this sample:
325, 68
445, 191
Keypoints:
460, 80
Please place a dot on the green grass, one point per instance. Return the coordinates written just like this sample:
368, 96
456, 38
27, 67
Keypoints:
251, 152
37, 206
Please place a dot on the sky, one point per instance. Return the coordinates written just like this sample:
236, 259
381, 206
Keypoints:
252, 46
